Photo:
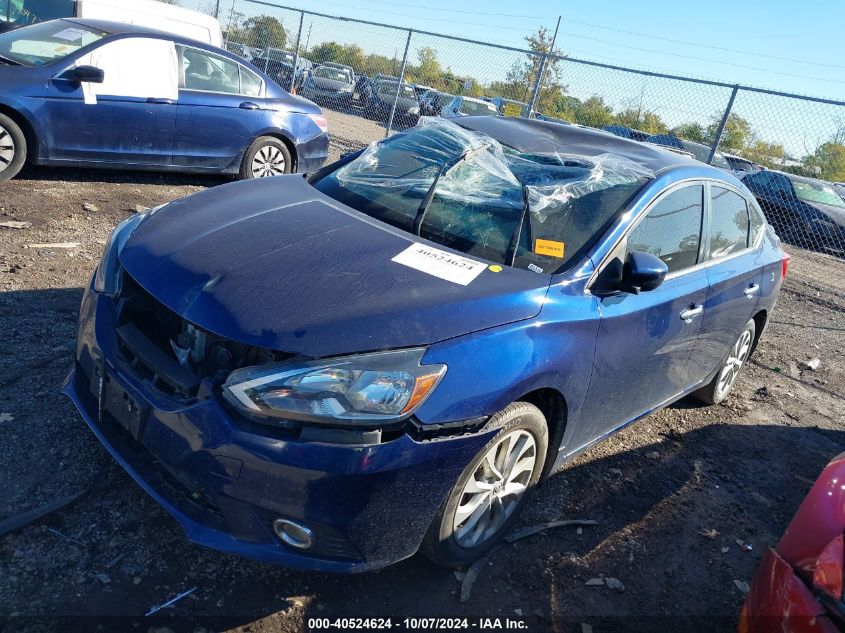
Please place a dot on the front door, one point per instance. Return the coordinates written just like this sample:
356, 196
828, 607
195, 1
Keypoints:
129, 118
645, 340
221, 110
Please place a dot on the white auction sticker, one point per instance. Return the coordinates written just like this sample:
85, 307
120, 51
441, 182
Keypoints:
443, 264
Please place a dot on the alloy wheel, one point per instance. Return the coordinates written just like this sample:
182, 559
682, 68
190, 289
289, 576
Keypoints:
736, 359
7, 148
268, 161
495, 489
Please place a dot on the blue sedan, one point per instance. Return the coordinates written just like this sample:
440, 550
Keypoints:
88, 93
334, 372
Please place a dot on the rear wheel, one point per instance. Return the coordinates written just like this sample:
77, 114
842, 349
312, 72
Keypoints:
721, 385
487, 498
267, 156
12, 148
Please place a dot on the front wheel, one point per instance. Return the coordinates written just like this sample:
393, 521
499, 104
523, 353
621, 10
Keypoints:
488, 496
12, 148
267, 156
721, 385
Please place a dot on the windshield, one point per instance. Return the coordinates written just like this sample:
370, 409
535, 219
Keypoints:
817, 192
43, 43
477, 107
479, 206
336, 74
388, 88
280, 56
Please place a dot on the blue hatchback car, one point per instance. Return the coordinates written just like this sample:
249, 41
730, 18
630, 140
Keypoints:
333, 372
88, 93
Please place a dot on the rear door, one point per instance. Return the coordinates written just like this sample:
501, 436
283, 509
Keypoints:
645, 340
221, 110
734, 272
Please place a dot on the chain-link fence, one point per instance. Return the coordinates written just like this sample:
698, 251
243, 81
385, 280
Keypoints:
373, 79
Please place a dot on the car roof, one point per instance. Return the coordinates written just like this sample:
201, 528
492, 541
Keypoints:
532, 135
123, 28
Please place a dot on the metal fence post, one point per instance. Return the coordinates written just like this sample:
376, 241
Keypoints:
296, 53
538, 84
399, 85
722, 125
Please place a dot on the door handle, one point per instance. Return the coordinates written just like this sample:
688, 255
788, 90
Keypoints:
690, 313
752, 291
162, 101
248, 105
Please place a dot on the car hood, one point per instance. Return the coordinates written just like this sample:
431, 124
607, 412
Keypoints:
402, 103
275, 263
324, 83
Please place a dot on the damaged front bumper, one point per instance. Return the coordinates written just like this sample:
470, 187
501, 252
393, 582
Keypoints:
226, 480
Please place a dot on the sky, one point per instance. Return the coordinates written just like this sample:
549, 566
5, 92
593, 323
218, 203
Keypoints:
787, 46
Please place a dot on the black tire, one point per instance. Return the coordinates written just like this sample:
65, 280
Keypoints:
271, 145
12, 148
440, 544
714, 392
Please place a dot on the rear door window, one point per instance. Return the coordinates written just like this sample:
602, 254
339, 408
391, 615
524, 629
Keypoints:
210, 73
250, 83
672, 229
729, 224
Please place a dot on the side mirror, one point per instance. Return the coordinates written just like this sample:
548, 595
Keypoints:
87, 74
642, 272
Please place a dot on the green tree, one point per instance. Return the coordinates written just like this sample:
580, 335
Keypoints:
691, 132
328, 52
522, 76
737, 134
261, 30
594, 112
641, 119
428, 71
828, 161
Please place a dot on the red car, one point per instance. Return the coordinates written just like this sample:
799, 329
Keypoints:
798, 588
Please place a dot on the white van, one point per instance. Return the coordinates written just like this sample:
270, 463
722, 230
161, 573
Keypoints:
149, 13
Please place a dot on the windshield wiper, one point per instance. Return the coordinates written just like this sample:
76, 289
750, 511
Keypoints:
11, 62
444, 169
524, 217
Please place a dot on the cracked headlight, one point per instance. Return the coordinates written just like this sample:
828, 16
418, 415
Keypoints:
361, 389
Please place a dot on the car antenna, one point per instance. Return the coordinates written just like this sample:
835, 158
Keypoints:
444, 169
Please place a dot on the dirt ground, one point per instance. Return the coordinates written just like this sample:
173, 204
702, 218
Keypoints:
740, 469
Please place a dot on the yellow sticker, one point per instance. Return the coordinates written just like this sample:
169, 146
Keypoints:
550, 248
495, 268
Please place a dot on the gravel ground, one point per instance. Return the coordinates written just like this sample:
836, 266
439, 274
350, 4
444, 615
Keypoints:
740, 469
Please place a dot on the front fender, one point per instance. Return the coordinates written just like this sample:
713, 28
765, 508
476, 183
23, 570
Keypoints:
488, 370
18, 108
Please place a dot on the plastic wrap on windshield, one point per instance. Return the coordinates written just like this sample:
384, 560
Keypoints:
407, 164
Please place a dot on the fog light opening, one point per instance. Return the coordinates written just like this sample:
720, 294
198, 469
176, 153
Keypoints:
293, 534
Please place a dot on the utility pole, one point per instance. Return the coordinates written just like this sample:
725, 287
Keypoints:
308, 37
538, 84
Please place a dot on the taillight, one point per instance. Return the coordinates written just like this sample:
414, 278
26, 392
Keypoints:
320, 121
827, 574
784, 265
